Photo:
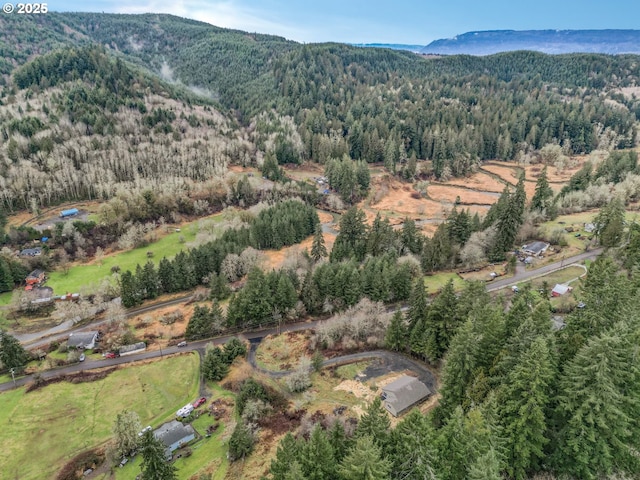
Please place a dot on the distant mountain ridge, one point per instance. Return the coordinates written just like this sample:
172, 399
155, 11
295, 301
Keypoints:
545, 41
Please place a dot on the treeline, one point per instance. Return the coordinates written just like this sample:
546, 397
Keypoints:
519, 397
187, 270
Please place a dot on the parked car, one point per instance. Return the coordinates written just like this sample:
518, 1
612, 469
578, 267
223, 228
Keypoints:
199, 402
111, 355
81, 358
182, 344
145, 430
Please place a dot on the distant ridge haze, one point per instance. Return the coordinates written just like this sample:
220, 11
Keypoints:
546, 41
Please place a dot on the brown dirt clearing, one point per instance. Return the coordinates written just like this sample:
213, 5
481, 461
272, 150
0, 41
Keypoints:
441, 193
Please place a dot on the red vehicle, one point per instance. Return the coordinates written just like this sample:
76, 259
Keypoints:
199, 402
111, 355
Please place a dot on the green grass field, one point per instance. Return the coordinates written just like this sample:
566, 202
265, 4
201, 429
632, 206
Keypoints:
208, 453
41, 430
79, 277
561, 276
433, 283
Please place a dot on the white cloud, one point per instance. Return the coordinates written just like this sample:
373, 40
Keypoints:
227, 14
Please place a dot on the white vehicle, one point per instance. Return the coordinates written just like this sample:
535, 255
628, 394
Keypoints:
185, 411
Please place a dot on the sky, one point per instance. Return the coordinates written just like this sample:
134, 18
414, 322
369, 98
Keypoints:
377, 21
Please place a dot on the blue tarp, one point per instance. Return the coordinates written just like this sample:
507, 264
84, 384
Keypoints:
68, 213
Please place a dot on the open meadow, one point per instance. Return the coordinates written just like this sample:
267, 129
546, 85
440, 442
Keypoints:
41, 430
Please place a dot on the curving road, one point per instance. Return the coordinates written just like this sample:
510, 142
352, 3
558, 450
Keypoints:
386, 362
539, 272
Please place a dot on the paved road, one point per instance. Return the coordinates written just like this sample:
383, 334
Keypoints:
62, 331
386, 362
538, 272
192, 346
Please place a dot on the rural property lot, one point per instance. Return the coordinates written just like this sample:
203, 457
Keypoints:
42, 429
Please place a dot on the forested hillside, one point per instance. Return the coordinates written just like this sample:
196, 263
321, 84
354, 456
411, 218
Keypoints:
82, 125
372, 104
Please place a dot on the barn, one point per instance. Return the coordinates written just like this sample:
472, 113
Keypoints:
403, 393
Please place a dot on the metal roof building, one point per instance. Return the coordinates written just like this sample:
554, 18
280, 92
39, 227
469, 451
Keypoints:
403, 393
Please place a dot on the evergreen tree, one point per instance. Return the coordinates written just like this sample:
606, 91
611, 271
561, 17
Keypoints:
233, 349
241, 442
412, 452
149, 282
309, 294
294, 472
365, 462
524, 399
351, 241
599, 404
214, 365
6, 277
609, 223
339, 441
418, 307
219, 287
285, 296
441, 322
380, 238
543, 194
410, 237
166, 276
12, 353
486, 467
318, 461
318, 249
154, 465
375, 423
520, 199
129, 290
508, 223
396, 337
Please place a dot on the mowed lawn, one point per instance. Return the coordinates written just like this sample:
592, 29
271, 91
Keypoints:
40, 431
436, 282
83, 276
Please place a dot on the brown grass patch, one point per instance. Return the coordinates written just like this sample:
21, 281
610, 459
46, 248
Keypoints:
506, 171
399, 200
274, 259
282, 352
479, 181
443, 193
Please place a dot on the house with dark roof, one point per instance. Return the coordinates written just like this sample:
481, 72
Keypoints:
82, 340
403, 393
174, 435
31, 252
535, 249
35, 278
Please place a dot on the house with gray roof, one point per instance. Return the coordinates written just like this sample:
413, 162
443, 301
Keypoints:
174, 435
82, 340
403, 393
535, 249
